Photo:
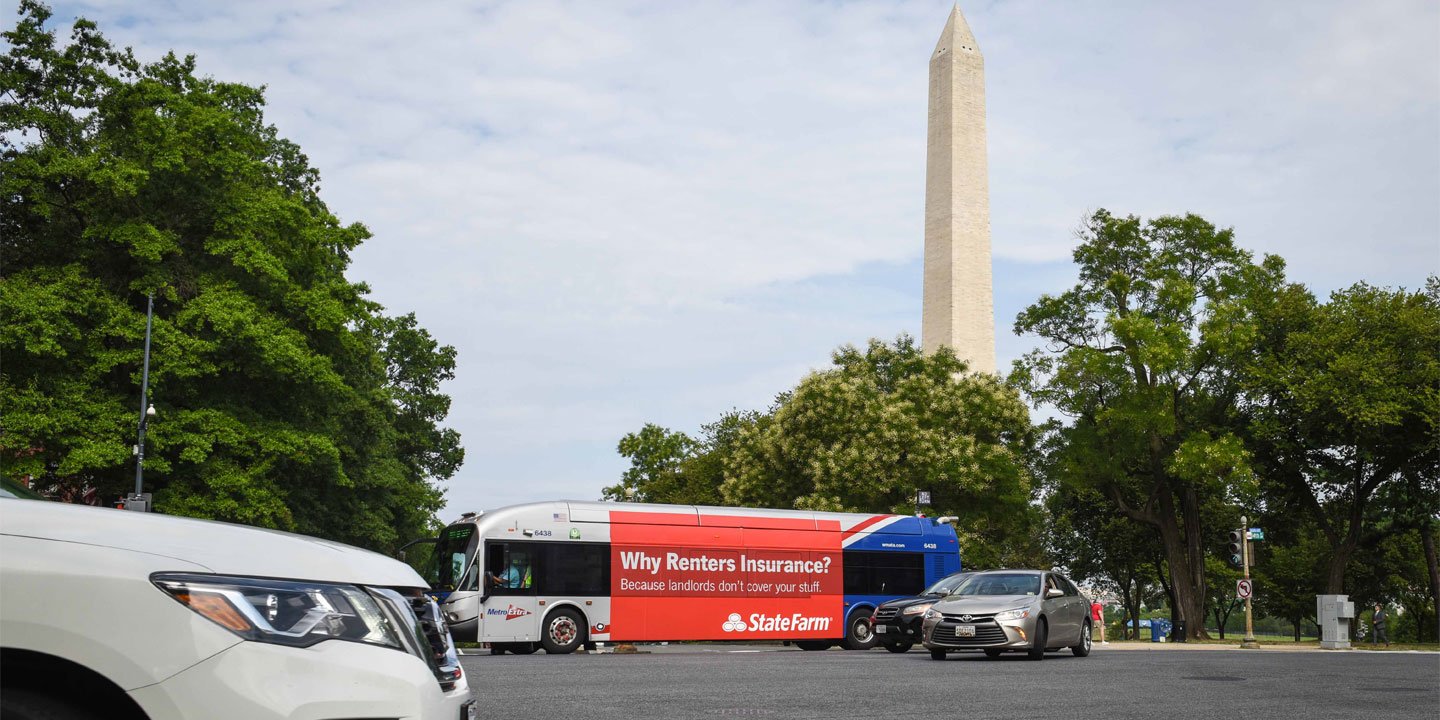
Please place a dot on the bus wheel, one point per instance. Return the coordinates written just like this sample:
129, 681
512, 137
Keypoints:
563, 632
860, 635
522, 648
813, 644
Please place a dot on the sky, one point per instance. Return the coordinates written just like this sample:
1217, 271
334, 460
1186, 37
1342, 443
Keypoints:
623, 213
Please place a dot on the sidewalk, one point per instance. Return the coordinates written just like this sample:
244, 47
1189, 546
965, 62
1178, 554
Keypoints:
1143, 646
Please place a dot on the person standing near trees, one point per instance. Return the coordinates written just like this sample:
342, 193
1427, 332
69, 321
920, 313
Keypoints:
1097, 615
1377, 623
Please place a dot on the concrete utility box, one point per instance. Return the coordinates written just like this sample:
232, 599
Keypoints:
1334, 612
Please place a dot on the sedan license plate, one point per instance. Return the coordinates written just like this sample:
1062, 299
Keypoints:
964, 631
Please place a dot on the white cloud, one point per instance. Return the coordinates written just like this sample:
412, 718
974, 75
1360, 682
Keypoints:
624, 212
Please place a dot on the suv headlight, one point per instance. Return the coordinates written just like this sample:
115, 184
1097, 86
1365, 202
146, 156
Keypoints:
1015, 614
284, 612
916, 609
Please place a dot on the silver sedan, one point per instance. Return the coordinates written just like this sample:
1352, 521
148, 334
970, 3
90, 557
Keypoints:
1010, 610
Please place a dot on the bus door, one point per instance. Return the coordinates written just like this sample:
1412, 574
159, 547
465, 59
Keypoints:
510, 611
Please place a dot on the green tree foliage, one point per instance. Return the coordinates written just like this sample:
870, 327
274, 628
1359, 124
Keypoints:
1289, 574
1139, 355
285, 398
670, 467
657, 458
1342, 404
885, 422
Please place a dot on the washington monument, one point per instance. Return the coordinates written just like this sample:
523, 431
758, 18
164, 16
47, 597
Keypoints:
959, 307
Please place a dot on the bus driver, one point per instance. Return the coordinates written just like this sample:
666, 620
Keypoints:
517, 575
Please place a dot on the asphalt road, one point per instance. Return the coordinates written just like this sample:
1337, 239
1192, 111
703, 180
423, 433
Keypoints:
717, 681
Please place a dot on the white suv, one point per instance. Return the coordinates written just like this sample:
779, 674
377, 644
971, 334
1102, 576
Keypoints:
116, 614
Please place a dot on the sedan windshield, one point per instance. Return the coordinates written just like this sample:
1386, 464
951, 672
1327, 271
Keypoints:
1000, 584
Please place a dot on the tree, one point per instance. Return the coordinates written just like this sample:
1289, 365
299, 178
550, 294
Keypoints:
884, 423
671, 467
1096, 543
1342, 407
1292, 572
1140, 356
286, 398
656, 457
1221, 598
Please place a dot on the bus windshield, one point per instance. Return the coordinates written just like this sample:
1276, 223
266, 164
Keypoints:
454, 559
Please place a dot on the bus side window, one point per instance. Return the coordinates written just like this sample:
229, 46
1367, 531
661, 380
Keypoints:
884, 573
573, 569
509, 568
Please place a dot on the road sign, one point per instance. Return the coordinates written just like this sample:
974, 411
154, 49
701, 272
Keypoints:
1244, 589
1257, 534
922, 497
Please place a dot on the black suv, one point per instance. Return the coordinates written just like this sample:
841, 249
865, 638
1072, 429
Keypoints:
897, 622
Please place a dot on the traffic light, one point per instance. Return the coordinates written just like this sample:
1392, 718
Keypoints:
1237, 549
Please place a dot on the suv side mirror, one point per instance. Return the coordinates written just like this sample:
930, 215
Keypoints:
1054, 593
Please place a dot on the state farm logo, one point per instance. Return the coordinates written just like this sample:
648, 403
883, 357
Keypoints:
509, 613
760, 622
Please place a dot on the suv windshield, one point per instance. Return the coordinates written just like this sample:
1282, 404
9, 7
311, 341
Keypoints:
945, 585
1000, 584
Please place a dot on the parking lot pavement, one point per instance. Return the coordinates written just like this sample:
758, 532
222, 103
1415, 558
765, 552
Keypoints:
1124, 645
708, 681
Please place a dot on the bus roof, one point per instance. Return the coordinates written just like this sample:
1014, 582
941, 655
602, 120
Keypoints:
577, 511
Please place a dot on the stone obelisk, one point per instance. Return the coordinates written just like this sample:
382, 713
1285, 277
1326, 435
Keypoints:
959, 308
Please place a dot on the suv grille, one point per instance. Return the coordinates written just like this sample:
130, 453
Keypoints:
424, 632
886, 613
443, 659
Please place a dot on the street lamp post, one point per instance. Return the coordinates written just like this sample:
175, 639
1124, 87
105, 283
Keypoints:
139, 501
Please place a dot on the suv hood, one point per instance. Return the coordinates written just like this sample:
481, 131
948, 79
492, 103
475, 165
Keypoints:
220, 547
983, 604
907, 602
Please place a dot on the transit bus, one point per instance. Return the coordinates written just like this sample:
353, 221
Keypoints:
562, 575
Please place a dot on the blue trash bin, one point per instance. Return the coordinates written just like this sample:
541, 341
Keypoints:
1156, 631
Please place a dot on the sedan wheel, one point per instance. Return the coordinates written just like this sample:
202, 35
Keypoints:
1083, 648
1042, 636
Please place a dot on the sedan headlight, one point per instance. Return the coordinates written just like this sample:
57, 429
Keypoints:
931, 613
284, 612
1015, 614
916, 609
